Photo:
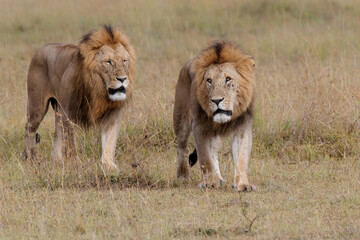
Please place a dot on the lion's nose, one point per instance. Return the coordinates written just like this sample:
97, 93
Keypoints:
217, 101
121, 79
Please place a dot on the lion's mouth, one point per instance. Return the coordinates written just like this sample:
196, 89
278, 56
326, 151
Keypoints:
112, 91
226, 112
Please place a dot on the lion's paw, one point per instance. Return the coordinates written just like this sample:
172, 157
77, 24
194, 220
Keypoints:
183, 174
212, 184
244, 187
29, 154
110, 168
184, 178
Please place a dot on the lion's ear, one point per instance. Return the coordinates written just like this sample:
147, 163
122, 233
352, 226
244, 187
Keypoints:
250, 64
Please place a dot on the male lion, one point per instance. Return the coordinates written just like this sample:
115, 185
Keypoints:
214, 97
86, 85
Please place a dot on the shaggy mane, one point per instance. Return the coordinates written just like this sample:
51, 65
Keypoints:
94, 40
222, 52
217, 53
89, 99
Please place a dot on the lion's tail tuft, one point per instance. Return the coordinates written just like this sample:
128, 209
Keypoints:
37, 138
193, 158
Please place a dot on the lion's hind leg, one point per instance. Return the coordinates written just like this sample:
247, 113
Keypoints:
69, 138
37, 105
64, 138
183, 131
182, 118
58, 148
36, 111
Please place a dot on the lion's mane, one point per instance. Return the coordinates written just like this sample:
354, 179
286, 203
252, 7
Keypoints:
89, 99
223, 52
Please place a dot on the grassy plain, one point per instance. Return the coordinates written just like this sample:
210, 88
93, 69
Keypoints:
305, 160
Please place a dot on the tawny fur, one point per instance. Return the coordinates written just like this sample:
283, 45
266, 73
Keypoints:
192, 112
76, 81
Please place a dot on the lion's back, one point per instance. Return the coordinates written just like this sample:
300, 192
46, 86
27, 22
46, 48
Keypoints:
54, 57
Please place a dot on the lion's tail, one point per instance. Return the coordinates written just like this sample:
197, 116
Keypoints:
37, 138
193, 158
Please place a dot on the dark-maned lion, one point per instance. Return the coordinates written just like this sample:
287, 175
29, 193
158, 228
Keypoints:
86, 85
214, 97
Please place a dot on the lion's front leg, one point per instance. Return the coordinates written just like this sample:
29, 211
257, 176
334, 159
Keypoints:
210, 176
215, 144
241, 150
109, 136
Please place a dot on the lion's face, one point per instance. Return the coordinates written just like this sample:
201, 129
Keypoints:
112, 64
221, 83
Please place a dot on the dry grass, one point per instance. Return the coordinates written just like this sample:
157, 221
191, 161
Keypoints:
305, 159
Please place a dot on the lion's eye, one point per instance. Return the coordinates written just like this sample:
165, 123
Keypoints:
124, 61
228, 79
209, 80
109, 62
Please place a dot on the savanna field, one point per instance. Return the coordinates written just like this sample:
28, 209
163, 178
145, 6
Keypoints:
306, 151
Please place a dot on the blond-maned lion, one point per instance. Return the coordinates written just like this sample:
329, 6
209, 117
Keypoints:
86, 84
214, 97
